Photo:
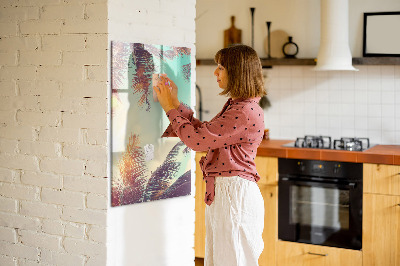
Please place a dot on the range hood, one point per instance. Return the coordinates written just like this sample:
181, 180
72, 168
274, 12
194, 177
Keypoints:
334, 51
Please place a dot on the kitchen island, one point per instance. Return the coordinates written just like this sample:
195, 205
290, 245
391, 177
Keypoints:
381, 207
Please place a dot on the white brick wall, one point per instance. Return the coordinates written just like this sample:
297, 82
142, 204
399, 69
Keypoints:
53, 113
159, 232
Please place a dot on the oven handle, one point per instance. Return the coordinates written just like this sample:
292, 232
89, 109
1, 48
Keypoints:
297, 181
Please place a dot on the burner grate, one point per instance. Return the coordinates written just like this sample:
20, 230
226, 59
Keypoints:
351, 144
320, 142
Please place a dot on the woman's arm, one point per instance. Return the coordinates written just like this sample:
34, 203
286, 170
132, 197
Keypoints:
228, 129
184, 110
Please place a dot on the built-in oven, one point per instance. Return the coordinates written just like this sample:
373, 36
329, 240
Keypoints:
320, 202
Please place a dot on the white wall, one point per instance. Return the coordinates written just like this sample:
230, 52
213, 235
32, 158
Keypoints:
53, 110
160, 232
299, 18
338, 104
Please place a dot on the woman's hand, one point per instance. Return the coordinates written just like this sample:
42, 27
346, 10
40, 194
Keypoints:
163, 90
174, 91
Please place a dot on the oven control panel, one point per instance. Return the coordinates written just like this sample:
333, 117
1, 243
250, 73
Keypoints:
330, 169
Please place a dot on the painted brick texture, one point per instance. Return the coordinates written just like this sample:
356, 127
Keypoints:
53, 132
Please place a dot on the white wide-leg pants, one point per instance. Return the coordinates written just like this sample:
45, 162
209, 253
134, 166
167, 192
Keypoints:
234, 223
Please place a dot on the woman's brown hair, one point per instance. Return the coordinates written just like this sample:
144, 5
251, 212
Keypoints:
245, 78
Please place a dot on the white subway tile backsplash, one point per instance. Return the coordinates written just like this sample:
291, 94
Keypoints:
361, 123
347, 110
286, 120
348, 133
348, 96
387, 72
397, 110
334, 109
389, 136
335, 122
285, 72
388, 97
297, 83
361, 110
284, 83
322, 95
374, 84
335, 95
310, 109
297, 72
338, 104
360, 97
334, 80
374, 111
388, 84
308, 72
388, 110
322, 121
374, 70
322, 109
374, 123
285, 132
310, 95
347, 122
375, 136
388, 124
374, 97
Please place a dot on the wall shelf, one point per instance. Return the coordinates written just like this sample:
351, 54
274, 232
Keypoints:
312, 61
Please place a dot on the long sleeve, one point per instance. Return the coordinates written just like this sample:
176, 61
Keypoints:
187, 113
222, 131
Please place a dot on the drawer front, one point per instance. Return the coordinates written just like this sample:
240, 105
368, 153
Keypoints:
381, 179
290, 253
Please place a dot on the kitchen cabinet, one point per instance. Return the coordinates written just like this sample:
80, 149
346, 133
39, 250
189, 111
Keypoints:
200, 207
267, 168
381, 179
381, 215
299, 254
270, 233
381, 230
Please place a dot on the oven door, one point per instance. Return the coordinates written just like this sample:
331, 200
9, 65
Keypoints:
321, 212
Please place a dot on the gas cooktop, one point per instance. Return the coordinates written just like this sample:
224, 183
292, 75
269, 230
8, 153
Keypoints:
325, 142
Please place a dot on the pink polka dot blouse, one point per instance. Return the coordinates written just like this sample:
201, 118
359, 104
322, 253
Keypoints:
231, 139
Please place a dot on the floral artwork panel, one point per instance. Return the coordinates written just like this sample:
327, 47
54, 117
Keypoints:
146, 167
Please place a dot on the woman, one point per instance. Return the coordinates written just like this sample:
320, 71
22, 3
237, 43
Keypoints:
235, 207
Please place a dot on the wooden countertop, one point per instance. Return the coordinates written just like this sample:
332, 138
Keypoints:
379, 154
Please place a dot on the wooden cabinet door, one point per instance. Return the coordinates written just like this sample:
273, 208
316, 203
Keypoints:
381, 179
298, 254
267, 168
200, 207
270, 233
381, 230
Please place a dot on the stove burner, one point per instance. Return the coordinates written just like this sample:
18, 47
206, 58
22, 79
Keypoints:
324, 142
308, 141
351, 144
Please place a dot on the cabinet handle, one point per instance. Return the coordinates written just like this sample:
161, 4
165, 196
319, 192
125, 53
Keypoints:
311, 253
398, 204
